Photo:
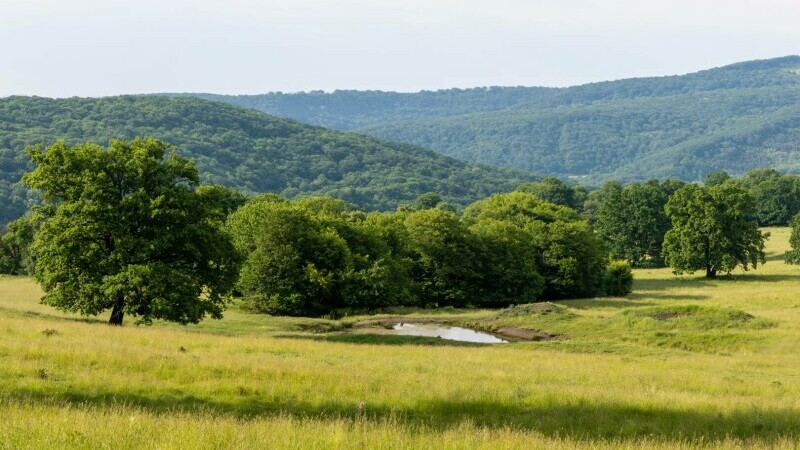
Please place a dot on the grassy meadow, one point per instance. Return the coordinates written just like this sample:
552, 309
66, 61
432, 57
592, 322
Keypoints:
683, 362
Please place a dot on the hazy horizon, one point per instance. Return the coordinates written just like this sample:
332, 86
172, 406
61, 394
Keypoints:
92, 48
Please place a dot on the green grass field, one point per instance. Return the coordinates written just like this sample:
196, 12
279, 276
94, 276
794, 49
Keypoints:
681, 363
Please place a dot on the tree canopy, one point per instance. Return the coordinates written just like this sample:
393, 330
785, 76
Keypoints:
315, 255
792, 255
776, 196
632, 221
712, 230
129, 232
568, 255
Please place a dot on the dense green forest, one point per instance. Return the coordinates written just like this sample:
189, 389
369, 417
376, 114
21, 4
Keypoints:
243, 149
732, 118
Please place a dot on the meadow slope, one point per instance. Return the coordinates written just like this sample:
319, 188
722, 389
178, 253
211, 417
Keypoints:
681, 363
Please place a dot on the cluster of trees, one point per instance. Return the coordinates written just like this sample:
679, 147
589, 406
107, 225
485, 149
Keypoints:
316, 254
243, 149
776, 196
129, 228
632, 221
712, 227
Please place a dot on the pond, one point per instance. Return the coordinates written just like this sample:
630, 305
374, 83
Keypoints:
445, 332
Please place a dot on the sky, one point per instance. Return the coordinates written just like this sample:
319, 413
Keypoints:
63, 48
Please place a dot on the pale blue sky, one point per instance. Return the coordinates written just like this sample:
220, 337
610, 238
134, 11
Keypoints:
89, 48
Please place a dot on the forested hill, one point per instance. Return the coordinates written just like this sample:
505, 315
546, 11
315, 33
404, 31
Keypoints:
350, 110
734, 118
242, 148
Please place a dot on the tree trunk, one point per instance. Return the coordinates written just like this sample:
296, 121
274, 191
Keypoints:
117, 312
711, 271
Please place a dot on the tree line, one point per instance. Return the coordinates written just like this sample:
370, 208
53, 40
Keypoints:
712, 227
315, 254
130, 228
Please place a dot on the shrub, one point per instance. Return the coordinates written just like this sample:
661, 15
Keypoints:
793, 256
618, 279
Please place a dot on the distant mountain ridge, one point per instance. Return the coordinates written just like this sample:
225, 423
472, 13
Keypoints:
733, 118
244, 149
350, 110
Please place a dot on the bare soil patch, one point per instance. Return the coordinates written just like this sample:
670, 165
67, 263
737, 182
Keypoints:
525, 334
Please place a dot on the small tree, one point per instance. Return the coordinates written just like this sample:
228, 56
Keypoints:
712, 229
793, 256
618, 279
15, 243
715, 178
129, 232
632, 222
553, 190
428, 201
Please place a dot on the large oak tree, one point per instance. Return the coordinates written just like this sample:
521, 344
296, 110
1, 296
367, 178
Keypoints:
713, 229
130, 232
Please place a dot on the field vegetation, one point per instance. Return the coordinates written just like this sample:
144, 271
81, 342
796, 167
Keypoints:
682, 362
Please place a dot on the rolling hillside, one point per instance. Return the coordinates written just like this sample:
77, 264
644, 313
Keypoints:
734, 118
242, 148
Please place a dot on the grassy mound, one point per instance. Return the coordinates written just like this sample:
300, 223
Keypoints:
692, 327
693, 317
535, 309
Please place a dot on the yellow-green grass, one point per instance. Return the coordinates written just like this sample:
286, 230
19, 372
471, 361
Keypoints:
683, 362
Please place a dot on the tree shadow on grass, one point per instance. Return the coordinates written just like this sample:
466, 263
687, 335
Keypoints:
633, 300
627, 302
382, 339
581, 421
11, 312
663, 284
636, 296
659, 287
775, 257
764, 277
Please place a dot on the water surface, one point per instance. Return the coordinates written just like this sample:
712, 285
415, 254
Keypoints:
445, 332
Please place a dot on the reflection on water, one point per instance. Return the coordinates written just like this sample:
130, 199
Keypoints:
450, 333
